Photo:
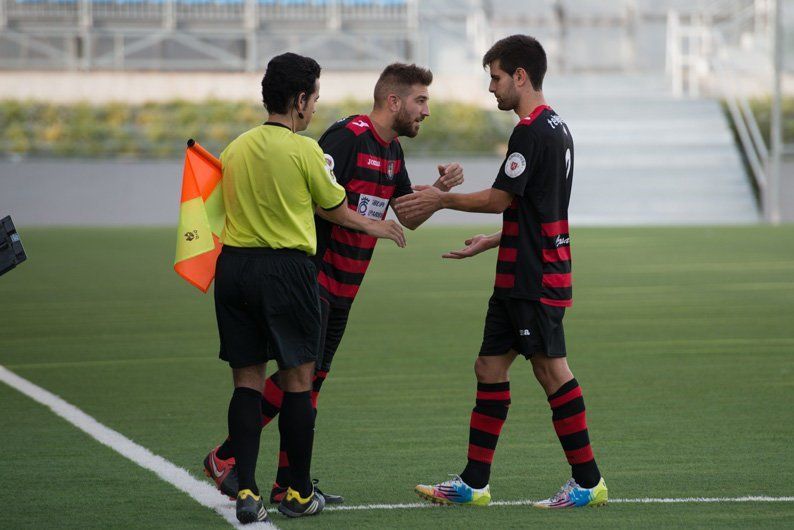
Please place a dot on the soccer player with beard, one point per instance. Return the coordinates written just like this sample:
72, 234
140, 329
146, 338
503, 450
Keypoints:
365, 155
533, 281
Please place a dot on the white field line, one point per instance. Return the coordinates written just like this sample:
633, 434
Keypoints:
202, 492
208, 496
527, 502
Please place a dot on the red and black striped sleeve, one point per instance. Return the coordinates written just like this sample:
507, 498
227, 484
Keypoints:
401, 180
339, 145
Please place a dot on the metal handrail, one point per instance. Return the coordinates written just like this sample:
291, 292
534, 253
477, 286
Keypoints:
749, 146
689, 62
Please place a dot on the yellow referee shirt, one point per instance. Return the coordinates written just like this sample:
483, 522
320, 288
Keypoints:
272, 181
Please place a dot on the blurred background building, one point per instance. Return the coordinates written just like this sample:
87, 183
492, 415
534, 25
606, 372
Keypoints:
448, 35
657, 92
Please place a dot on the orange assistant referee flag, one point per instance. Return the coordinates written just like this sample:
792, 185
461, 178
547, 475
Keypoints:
201, 217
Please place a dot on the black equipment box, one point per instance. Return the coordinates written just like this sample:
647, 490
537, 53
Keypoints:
11, 251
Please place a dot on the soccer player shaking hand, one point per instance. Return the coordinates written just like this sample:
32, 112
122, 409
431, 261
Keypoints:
532, 287
363, 155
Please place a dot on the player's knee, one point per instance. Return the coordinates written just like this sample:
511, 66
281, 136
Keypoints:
488, 371
249, 377
539, 370
298, 379
551, 373
543, 371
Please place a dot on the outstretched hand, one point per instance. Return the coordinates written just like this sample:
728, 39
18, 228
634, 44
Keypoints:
449, 176
422, 203
474, 245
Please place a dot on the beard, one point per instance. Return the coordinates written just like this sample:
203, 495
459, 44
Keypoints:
404, 125
508, 102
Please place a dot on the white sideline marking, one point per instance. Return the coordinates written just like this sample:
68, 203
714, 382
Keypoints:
201, 492
208, 496
527, 502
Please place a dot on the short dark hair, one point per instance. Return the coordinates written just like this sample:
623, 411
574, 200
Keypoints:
400, 77
519, 51
288, 75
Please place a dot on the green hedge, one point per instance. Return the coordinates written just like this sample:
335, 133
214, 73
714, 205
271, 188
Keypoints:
159, 130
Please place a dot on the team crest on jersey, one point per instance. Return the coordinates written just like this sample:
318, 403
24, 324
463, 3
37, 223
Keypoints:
390, 169
329, 166
515, 165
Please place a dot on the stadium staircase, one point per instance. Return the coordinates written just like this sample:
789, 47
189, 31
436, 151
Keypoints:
646, 157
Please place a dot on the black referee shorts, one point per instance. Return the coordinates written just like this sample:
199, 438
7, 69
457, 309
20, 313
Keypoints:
267, 305
526, 326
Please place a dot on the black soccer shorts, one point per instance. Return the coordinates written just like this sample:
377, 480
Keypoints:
334, 320
526, 326
267, 304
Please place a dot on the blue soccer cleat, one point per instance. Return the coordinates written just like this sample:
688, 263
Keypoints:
572, 495
454, 491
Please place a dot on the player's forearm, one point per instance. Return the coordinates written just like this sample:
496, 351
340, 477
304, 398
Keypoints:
344, 216
479, 202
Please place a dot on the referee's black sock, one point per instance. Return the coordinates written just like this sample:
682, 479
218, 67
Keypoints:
245, 427
296, 426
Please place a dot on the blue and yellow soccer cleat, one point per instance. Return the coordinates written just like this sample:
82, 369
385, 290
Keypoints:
572, 495
454, 491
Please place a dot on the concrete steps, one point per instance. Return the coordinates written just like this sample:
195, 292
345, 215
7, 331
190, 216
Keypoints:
645, 157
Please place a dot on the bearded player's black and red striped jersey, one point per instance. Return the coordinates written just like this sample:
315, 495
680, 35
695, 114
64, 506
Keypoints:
372, 171
534, 260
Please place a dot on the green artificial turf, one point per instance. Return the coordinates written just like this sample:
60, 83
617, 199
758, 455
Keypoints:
682, 338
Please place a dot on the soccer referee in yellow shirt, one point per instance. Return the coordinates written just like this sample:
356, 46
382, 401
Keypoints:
266, 295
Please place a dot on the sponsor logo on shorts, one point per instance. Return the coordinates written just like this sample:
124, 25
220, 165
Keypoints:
191, 235
524, 332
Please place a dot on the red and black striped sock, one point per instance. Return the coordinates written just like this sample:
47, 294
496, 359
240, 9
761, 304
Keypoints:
570, 424
272, 398
317, 384
487, 418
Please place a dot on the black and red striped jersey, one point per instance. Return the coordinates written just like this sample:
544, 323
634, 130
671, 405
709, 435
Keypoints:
372, 171
535, 251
